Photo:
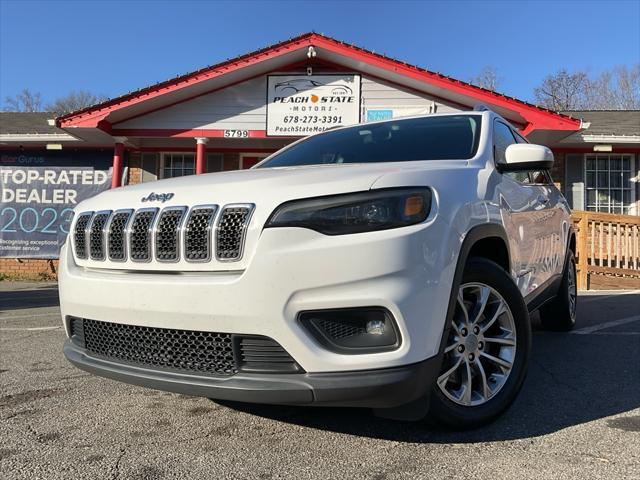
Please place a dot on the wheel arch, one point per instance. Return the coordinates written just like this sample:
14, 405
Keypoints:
481, 237
493, 247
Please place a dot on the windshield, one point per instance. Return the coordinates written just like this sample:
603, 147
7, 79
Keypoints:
427, 138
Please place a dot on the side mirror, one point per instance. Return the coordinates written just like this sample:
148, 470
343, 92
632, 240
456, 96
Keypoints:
525, 156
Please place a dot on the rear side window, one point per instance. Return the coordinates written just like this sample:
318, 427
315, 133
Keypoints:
502, 138
448, 137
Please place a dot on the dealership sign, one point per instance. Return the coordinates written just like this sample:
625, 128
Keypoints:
300, 105
36, 204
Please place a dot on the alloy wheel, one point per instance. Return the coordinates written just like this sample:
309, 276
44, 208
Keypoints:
481, 346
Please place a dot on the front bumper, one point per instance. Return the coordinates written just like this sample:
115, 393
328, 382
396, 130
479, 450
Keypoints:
379, 388
407, 271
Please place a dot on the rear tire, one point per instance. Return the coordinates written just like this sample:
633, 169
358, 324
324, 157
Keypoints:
559, 314
490, 340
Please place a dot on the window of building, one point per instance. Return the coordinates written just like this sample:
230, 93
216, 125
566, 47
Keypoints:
178, 164
215, 162
609, 183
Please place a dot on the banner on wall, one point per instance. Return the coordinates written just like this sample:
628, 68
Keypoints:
36, 204
300, 105
375, 114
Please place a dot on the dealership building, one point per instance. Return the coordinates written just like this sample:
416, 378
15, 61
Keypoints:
231, 115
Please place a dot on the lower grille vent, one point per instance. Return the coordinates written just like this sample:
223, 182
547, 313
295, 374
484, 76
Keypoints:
76, 330
259, 354
183, 351
201, 352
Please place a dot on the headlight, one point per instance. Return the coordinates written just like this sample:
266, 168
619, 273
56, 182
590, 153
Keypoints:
356, 212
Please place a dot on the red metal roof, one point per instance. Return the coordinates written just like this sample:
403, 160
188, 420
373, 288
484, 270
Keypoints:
537, 117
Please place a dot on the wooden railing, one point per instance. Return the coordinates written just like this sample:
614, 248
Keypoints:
608, 250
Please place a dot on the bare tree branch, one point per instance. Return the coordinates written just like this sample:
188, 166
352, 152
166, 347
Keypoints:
76, 100
618, 89
487, 78
25, 101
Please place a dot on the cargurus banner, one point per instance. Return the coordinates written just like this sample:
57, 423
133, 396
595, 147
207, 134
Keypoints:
37, 203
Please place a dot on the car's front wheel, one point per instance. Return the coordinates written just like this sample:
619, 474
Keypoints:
487, 349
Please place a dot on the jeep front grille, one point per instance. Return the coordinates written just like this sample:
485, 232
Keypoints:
197, 234
168, 234
96, 235
174, 234
184, 351
140, 235
116, 236
230, 231
80, 234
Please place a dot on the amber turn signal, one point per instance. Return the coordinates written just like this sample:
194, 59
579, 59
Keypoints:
413, 205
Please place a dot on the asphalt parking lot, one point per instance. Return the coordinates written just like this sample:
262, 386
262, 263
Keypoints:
578, 415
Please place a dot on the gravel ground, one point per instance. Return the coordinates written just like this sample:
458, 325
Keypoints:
578, 416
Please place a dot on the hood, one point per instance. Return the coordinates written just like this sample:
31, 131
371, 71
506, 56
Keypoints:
260, 191
262, 186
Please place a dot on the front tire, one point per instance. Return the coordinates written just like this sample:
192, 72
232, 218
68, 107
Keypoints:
487, 349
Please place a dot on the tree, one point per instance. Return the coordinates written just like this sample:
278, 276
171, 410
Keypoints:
76, 100
617, 89
25, 101
487, 78
621, 88
563, 91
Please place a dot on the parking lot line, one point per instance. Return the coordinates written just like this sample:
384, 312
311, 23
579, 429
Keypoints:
15, 317
619, 334
586, 297
29, 329
602, 326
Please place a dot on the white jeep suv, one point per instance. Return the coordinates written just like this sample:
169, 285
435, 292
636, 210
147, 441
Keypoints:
390, 265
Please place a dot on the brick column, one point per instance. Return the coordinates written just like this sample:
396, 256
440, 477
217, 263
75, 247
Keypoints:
118, 161
201, 154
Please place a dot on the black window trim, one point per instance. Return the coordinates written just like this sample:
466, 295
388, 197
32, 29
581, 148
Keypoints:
493, 137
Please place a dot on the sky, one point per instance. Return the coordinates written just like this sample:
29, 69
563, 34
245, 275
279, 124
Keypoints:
113, 47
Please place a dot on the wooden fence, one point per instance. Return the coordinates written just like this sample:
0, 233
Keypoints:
608, 250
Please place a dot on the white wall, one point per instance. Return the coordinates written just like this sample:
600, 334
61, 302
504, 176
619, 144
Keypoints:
243, 107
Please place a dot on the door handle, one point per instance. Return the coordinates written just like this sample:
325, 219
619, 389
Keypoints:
543, 199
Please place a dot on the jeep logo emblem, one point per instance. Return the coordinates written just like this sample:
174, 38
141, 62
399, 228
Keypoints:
158, 197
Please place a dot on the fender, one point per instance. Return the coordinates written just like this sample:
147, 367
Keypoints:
419, 408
